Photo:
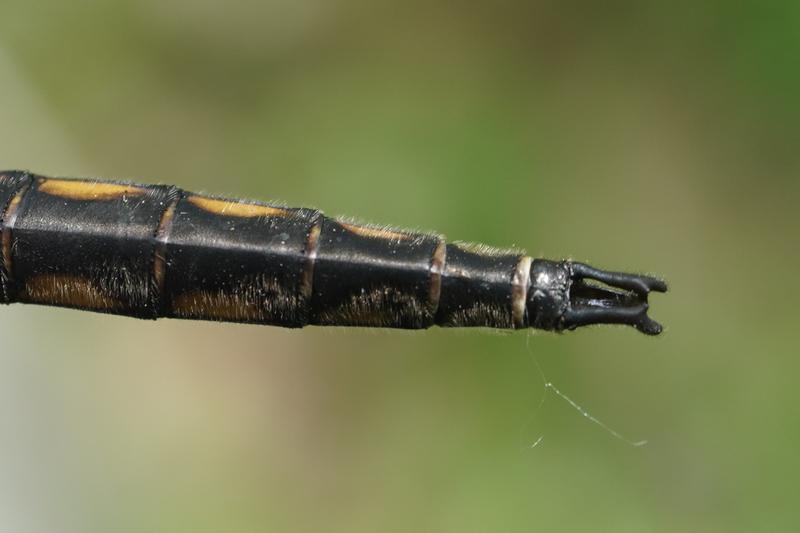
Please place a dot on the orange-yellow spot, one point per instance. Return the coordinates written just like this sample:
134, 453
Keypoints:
375, 232
236, 209
12, 205
216, 306
68, 291
87, 190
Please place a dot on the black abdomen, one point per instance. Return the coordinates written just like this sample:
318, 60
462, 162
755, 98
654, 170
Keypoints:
153, 251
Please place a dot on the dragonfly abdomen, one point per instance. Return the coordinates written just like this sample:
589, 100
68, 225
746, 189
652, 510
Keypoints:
151, 251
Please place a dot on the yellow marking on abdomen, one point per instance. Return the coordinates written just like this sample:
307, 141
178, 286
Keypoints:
87, 190
375, 232
218, 305
236, 209
68, 291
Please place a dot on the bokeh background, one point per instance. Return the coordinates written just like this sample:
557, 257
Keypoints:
636, 135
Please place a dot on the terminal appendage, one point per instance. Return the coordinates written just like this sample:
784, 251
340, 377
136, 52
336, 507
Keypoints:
565, 295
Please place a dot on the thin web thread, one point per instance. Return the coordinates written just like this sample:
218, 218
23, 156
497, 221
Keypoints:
549, 386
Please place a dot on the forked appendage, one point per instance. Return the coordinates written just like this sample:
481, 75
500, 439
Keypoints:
567, 295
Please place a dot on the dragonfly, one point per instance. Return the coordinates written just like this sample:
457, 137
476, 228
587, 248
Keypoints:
153, 251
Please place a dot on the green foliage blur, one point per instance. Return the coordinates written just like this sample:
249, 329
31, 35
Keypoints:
635, 135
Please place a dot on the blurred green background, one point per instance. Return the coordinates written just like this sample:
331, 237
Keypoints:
653, 136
